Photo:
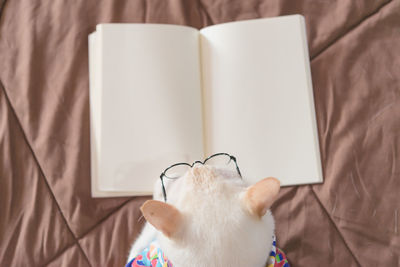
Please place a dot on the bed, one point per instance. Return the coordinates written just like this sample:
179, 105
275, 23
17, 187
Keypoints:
47, 216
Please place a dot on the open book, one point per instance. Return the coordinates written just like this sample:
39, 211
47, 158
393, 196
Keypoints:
162, 94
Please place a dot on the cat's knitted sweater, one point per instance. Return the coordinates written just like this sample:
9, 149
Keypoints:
152, 256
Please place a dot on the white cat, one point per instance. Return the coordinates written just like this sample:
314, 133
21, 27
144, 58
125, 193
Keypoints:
212, 219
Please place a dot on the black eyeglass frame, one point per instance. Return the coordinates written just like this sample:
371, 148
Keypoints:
191, 165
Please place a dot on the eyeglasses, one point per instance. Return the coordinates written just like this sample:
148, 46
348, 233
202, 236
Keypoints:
179, 169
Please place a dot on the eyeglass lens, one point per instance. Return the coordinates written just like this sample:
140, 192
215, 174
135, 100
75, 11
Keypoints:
179, 170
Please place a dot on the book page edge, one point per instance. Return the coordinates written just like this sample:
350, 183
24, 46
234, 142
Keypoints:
251, 20
311, 97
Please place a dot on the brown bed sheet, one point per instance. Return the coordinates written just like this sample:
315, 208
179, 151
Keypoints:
47, 216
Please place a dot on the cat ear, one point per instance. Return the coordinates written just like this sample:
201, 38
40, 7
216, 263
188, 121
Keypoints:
164, 217
258, 198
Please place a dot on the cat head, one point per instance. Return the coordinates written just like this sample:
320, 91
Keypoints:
214, 218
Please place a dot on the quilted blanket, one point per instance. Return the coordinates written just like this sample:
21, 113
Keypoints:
47, 215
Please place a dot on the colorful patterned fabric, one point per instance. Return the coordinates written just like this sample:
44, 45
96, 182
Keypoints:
154, 257
277, 258
151, 256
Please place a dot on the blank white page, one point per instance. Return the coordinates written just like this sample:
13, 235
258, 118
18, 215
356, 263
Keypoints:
150, 103
259, 99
